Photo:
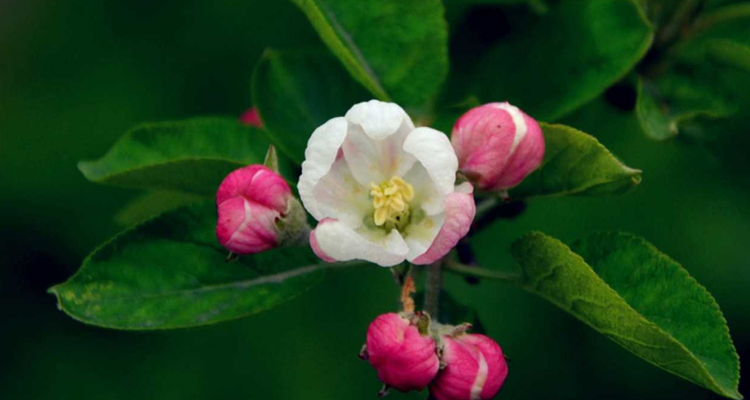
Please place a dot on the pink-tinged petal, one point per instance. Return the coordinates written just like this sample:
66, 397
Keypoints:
258, 184
497, 367
475, 369
459, 214
249, 202
341, 242
497, 145
420, 235
316, 247
482, 138
526, 158
251, 117
245, 227
404, 359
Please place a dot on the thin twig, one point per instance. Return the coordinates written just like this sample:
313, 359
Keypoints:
457, 267
433, 286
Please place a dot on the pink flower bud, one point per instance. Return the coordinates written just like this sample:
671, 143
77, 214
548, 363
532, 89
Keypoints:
251, 117
497, 145
250, 201
404, 358
474, 369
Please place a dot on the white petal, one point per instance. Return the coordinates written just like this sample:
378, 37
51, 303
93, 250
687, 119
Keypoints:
373, 160
460, 210
426, 194
320, 155
434, 151
419, 236
343, 243
378, 119
338, 195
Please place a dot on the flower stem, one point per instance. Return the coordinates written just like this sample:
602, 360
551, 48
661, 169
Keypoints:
433, 286
486, 205
457, 267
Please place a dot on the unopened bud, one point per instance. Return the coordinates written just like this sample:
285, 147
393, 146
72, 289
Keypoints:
251, 117
257, 211
497, 145
404, 358
474, 368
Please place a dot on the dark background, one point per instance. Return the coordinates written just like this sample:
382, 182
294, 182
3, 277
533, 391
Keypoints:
75, 75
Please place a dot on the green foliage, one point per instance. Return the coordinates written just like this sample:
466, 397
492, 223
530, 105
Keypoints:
192, 156
624, 288
452, 312
575, 163
566, 58
170, 272
151, 204
730, 53
297, 91
706, 76
397, 49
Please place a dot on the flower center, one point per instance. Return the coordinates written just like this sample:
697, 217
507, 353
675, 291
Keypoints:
391, 202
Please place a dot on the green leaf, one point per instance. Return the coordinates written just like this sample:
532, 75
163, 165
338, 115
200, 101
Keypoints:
639, 298
170, 272
566, 58
701, 79
678, 97
397, 49
297, 91
729, 22
575, 163
730, 53
192, 156
151, 204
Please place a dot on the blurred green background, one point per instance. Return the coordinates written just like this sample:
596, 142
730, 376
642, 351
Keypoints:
75, 75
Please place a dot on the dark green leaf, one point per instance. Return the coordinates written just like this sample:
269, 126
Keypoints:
729, 22
677, 97
576, 163
151, 204
192, 156
397, 49
297, 91
730, 53
639, 298
701, 79
170, 273
566, 58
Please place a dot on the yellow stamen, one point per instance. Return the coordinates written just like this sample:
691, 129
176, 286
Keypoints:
391, 201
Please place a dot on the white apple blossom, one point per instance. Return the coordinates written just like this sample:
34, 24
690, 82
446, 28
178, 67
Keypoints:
382, 190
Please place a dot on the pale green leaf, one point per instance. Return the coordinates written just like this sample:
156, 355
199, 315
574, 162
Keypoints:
575, 163
639, 298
